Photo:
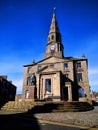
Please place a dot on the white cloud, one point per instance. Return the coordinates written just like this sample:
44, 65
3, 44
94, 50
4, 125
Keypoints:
18, 83
93, 71
14, 72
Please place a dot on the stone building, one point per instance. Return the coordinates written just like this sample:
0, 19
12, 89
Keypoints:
7, 90
56, 77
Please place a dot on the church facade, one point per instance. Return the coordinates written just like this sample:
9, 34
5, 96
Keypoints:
56, 77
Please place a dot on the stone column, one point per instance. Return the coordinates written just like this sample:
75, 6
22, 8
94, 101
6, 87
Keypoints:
58, 87
37, 85
68, 84
69, 93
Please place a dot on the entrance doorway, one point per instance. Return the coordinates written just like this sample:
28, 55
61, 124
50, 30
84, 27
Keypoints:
65, 93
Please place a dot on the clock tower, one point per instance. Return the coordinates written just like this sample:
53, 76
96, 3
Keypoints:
54, 46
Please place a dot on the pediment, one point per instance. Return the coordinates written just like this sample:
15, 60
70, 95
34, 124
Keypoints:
47, 69
52, 60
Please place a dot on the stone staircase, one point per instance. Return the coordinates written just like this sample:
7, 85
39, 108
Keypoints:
44, 107
62, 107
18, 106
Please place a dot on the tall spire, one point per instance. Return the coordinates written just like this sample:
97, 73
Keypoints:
54, 25
54, 46
54, 33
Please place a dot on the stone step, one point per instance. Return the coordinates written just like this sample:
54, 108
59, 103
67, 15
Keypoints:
60, 107
48, 106
18, 106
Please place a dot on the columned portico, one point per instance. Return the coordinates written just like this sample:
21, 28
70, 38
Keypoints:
48, 85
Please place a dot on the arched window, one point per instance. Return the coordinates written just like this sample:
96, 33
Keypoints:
81, 92
52, 37
26, 94
47, 86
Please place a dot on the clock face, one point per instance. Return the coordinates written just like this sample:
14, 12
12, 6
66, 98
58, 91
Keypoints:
52, 47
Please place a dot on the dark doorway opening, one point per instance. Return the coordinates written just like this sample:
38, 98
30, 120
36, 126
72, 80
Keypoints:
75, 95
65, 93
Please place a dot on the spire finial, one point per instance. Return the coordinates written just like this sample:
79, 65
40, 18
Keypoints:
54, 8
54, 11
83, 56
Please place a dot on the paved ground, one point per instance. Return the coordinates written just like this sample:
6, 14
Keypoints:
89, 118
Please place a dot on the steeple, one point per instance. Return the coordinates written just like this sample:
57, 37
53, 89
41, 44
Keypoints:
54, 46
54, 26
54, 33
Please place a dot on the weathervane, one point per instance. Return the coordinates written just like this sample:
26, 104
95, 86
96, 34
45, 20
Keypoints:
54, 9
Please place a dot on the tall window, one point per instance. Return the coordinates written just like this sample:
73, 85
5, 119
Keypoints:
28, 80
29, 70
78, 65
39, 67
52, 37
79, 77
65, 65
48, 86
26, 93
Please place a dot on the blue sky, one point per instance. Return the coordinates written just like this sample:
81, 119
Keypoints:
24, 27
